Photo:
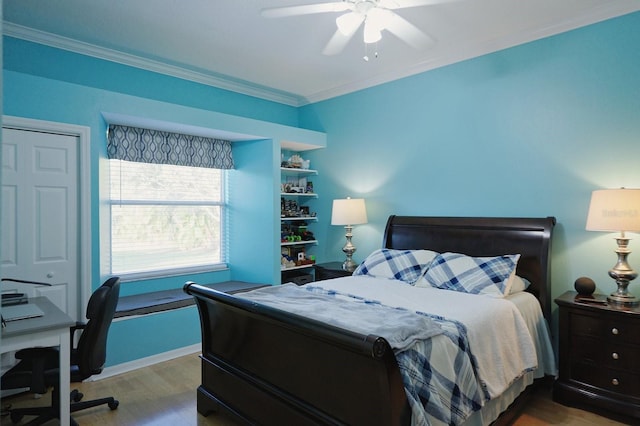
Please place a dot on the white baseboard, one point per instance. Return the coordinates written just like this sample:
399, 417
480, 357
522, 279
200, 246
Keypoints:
145, 362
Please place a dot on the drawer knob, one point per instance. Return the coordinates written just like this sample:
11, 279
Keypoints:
614, 331
615, 382
614, 355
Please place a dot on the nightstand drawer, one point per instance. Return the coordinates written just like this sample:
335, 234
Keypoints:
329, 270
327, 274
586, 349
586, 325
622, 357
619, 381
606, 354
623, 331
609, 326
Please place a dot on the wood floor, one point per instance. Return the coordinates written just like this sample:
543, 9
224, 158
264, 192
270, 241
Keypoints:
165, 394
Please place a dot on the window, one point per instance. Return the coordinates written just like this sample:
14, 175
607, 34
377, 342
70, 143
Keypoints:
165, 217
167, 202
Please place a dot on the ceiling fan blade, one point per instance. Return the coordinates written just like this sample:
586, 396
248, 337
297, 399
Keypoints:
307, 9
408, 32
338, 42
349, 22
402, 4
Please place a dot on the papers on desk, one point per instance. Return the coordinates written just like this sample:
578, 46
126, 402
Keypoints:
19, 312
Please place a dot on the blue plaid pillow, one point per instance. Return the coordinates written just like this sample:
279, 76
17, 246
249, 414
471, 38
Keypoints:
403, 265
476, 275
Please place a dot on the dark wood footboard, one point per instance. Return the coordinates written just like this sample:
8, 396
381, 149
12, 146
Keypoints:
271, 367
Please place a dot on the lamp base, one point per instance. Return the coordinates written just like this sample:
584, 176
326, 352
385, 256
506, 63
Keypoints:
349, 265
349, 249
623, 274
623, 301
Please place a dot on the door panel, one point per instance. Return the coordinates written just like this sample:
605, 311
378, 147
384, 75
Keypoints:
50, 225
40, 219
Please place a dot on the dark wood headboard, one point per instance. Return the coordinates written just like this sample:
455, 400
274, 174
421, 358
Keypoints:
483, 236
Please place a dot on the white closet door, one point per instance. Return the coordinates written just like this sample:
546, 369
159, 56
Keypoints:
40, 215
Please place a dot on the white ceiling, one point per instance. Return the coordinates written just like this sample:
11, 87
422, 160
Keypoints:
228, 44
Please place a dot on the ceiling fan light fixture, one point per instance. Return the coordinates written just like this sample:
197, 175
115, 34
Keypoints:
372, 33
349, 22
379, 18
376, 15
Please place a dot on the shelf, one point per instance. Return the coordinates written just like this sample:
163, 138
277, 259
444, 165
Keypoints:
299, 194
299, 218
298, 267
295, 243
289, 171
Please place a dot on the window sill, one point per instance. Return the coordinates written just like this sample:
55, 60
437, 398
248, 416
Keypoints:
165, 300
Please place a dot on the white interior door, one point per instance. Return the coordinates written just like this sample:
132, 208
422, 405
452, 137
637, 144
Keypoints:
41, 215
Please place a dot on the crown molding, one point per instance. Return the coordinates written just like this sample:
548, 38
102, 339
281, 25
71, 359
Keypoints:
218, 81
454, 54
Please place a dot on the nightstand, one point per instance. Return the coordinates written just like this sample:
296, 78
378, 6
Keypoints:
599, 355
326, 271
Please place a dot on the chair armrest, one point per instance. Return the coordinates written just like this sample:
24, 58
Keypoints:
78, 326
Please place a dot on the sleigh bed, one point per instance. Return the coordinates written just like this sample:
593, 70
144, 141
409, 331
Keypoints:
267, 363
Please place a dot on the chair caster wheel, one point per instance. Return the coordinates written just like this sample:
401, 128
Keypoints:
76, 395
16, 417
113, 405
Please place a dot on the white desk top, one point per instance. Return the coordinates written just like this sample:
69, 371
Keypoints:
53, 318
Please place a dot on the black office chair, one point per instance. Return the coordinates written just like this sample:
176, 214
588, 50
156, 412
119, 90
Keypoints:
38, 369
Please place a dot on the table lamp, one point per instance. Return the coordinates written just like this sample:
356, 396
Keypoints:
349, 212
617, 210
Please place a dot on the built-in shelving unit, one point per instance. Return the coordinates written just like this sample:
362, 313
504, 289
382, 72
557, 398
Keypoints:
296, 219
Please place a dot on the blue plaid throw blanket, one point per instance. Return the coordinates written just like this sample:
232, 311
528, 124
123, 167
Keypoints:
441, 377
438, 370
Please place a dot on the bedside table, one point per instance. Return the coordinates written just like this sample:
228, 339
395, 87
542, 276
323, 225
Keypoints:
326, 271
599, 355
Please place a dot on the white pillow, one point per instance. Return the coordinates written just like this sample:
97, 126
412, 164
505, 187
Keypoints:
403, 265
476, 275
518, 284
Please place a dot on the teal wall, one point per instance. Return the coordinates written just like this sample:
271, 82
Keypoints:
48, 84
527, 131
34, 59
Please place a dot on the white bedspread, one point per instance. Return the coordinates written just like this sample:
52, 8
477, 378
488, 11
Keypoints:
498, 335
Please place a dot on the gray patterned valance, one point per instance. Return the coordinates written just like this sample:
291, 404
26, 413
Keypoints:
159, 147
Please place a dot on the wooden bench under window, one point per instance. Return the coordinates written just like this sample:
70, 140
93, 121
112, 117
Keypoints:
165, 300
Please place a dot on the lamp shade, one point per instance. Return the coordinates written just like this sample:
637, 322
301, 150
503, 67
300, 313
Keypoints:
348, 211
614, 210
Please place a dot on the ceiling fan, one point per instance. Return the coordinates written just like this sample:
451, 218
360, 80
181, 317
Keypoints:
377, 15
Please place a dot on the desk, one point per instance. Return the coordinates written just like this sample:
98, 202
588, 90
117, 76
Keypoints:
51, 329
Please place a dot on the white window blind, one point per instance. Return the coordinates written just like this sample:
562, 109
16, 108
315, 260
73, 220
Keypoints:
165, 217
